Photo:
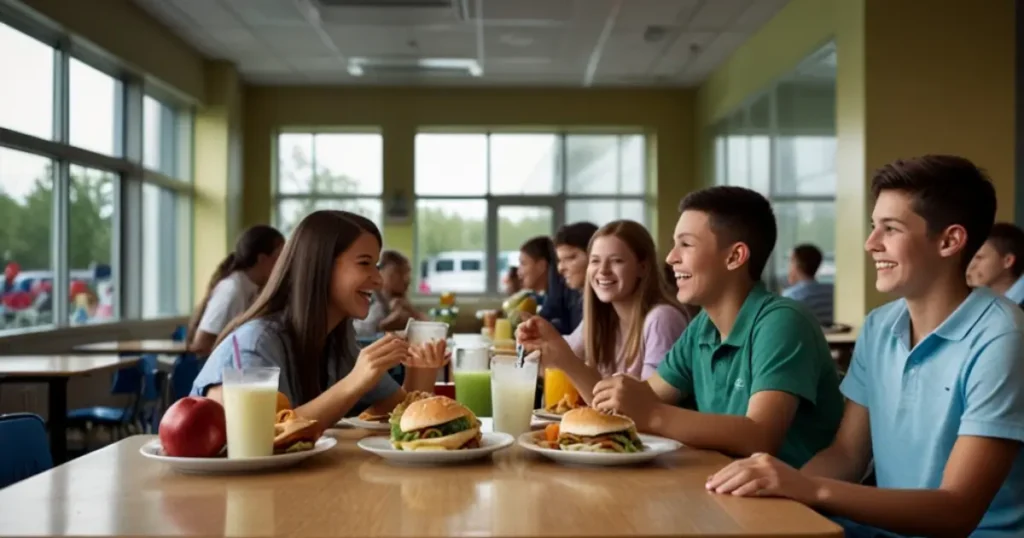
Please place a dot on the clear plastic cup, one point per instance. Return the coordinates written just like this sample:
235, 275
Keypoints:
250, 409
512, 393
422, 332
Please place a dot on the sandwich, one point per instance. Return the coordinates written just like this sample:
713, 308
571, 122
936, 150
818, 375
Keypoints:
588, 430
370, 416
293, 433
435, 423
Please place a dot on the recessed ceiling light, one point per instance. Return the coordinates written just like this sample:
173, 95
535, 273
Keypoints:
514, 40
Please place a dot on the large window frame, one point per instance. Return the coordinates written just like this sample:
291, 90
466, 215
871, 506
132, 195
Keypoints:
557, 201
127, 167
759, 117
280, 198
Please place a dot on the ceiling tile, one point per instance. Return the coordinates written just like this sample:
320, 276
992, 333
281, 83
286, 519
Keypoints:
266, 12
681, 51
715, 53
643, 13
757, 14
206, 12
292, 40
717, 14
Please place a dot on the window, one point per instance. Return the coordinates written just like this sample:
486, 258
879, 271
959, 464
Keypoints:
526, 184
26, 239
783, 145
328, 171
26, 95
95, 109
67, 247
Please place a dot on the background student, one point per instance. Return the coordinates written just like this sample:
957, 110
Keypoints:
630, 317
804, 262
302, 323
999, 262
390, 309
234, 286
539, 273
934, 388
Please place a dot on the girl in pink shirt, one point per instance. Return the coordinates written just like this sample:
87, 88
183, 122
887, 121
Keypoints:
630, 316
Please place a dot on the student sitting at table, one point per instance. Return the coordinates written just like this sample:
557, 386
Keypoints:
630, 317
539, 274
756, 365
934, 388
804, 262
234, 286
571, 242
999, 262
390, 309
302, 323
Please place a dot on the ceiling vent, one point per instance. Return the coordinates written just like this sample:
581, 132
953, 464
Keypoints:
459, 7
414, 67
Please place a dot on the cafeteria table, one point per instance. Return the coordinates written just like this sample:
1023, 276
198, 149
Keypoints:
346, 492
55, 371
134, 347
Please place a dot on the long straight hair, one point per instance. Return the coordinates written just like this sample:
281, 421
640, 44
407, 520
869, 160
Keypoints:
299, 292
601, 322
257, 240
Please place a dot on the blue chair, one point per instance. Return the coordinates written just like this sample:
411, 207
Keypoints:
179, 333
175, 386
24, 448
139, 384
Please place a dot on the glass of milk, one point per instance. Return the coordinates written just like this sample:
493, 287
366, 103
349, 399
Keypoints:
512, 393
250, 409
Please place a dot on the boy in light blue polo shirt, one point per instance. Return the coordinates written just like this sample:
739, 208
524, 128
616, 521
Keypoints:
936, 384
999, 263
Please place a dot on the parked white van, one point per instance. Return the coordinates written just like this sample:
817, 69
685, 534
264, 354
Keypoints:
462, 271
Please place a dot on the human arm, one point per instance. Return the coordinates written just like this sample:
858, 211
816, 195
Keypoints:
202, 343
421, 365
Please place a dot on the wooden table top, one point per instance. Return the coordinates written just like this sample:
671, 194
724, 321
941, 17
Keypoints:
61, 365
846, 338
348, 492
163, 347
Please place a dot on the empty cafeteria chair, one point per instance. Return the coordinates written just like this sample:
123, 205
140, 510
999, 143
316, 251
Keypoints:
24, 447
138, 383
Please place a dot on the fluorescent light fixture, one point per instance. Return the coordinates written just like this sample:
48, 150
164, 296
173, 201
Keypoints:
358, 67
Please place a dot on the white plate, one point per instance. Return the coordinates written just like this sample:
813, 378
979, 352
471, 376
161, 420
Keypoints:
365, 424
153, 450
547, 415
654, 446
489, 443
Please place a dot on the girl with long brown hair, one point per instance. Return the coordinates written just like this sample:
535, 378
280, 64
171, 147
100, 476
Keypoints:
234, 286
630, 316
302, 323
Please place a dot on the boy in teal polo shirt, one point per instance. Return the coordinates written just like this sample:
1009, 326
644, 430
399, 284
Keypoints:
936, 384
757, 365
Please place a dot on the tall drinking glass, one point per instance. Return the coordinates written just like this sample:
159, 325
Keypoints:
473, 378
512, 391
250, 408
558, 386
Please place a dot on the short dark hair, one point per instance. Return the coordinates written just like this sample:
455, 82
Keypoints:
577, 235
945, 190
739, 215
392, 257
808, 258
1009, 239
540, 248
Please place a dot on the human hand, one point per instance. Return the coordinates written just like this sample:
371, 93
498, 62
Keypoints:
627, 396
763, 475
429, 355
377, 358
538, 334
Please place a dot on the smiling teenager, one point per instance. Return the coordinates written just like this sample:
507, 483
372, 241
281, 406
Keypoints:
302, 323
757, 365
630, 318
935, 384
571, 241
999, 263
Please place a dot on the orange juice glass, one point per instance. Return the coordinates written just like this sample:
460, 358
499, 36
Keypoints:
557, 386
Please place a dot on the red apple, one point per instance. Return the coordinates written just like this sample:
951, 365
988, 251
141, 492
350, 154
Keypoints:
193, 427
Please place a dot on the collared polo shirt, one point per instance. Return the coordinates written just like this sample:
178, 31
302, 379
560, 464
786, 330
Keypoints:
816, 296
964, 378
1016, 291
775, 344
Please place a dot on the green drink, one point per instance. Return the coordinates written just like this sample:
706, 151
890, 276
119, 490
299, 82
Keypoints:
473, 390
